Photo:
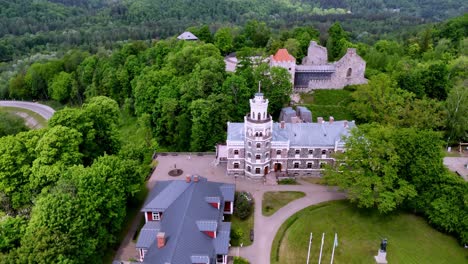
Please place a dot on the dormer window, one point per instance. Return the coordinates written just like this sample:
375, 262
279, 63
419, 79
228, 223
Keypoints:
298, 151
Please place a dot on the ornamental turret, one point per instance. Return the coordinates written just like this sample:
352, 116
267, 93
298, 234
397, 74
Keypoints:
258, 134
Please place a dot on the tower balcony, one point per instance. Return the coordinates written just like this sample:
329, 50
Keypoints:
261, 121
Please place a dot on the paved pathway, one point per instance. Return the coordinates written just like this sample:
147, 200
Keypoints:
43, 110
265, 228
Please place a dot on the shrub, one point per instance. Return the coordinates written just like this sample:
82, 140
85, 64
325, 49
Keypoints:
239, 260
289, 181
243, 207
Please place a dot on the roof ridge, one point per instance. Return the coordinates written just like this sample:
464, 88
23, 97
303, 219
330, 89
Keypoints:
179, 231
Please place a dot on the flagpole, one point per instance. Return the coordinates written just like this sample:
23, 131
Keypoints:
308, 252
321, 247
335, 243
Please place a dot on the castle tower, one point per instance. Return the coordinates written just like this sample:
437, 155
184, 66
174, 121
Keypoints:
258, 134
283, 59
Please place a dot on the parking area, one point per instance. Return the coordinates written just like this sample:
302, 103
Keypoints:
190, 164
458, 165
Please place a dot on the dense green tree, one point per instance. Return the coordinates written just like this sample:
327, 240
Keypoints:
383, 102
11, 231
105, 115
11, 124
435, 81
209, 118
457, 112
294, 47
57, 150
379, 172
256, 33
224, 40
336, 42
18, 154
61, 86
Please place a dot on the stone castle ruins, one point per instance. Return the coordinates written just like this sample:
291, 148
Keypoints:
316, 72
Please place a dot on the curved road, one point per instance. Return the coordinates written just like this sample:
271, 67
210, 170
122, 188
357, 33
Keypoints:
43, 110
266, 227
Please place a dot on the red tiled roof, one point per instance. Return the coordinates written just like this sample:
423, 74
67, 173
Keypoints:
283, 55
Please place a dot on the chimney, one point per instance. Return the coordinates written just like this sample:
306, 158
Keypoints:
320, 120
331, 119
161, 239
346, 123
195, 178
187, 178
282, 124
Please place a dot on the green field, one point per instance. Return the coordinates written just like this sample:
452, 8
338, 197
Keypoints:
410, 238
326, 103
273, 201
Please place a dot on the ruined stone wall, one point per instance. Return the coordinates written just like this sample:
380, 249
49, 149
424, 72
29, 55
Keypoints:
349, 70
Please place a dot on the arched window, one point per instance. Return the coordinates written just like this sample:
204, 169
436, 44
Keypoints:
248, 168
259, 116
278, 152
266, 155
259, 145
249, 155
257, 156
264, 115
350, 71
253, 115
261, 134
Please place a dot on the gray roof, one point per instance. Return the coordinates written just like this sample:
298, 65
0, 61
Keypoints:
235, 131
300, 134
286, 114
207, 225
200, 259
228, 191
148, 234
181, 220
221, 242
187, 36
165, 197
213, 199
315, 68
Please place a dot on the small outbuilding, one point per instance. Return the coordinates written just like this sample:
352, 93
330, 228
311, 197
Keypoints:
187, 36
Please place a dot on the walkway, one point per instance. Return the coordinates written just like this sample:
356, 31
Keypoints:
265, 228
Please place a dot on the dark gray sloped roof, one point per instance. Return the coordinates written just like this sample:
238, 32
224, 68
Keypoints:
213, 199
228, 191
235, 131
148, 234
163, 198
179, 223
300, 134
200, 259
221, 242
312, 134
207, 225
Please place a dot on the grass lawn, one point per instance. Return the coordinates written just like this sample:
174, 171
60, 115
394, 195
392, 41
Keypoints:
246, 225
40, 120
273, 201
327, 103
410, 238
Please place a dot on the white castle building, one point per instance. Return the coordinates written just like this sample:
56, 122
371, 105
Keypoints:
259, 146
316, 72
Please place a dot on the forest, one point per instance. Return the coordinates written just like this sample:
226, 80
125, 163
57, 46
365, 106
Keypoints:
28, 27
56, 203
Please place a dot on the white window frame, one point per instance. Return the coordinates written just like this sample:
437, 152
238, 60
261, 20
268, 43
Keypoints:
155, 216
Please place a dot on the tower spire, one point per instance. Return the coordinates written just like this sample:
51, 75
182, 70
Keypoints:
259, 86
